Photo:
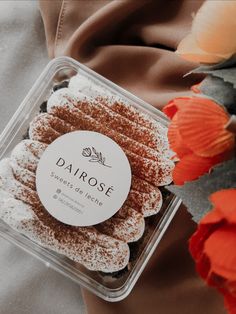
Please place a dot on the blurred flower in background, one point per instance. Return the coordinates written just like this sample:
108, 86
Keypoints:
210, 40
213, 246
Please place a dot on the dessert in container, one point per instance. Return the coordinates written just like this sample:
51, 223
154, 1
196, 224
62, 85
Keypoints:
106, 257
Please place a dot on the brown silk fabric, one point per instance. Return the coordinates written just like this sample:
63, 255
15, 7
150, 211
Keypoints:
132, 43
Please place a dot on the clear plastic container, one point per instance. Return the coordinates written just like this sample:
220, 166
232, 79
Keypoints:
107, 287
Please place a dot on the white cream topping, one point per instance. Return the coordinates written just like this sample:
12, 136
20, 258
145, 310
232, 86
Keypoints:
106, 252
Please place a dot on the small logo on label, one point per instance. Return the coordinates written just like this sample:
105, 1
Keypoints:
71, 184
94, 156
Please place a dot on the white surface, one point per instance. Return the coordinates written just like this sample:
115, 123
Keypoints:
27, 286
22, 53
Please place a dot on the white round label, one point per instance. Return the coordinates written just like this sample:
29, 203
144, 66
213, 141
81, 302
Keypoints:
83, 178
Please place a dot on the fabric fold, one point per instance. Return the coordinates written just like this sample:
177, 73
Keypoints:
133, 43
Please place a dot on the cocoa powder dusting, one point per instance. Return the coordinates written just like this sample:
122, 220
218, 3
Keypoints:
145, 149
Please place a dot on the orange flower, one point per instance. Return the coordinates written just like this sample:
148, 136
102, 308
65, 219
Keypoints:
213, 246
198, 136
195, 88
212, 38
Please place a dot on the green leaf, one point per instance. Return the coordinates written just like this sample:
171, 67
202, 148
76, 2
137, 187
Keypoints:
221, 91
228, 75
195, 194
230, 63
220, 82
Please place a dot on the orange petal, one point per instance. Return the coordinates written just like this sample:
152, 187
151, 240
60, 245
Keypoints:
225, 203
230, 303
175, 105
223, 260
230, 286
215, 280
197, 243
191, 167
202, 127
189, 50
175, 140
214, 217
214, 27
197, 240
195, 88
203, 266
